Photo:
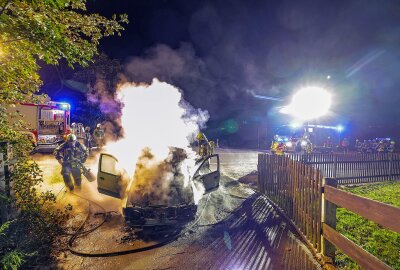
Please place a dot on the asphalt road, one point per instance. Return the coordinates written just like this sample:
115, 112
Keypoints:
235, 228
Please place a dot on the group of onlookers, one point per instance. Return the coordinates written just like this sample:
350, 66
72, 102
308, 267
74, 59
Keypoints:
375, 146
304, 145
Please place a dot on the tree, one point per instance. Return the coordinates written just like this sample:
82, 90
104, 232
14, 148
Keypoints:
32, 31
47, 30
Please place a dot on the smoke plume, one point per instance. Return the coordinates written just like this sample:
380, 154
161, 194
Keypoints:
104, 96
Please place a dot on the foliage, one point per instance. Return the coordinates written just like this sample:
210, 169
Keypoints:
380, 242
48, 30
37, 222
13, 260
32, 31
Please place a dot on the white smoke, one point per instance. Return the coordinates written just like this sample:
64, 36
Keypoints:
156, 117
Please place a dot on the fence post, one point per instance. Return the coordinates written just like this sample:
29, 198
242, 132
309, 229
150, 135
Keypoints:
390, 165
261, 167
335, 166
328, 217
6, 167
3, 204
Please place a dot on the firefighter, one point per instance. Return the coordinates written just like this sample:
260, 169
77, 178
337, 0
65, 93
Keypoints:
358, 146
369, 146
364, 146
374, 145
345, 145
273, 147
274, 144
381, 147
211, 145
203, 144
280, 149
307, 146
88, 138
391, 146
71, 155
73, 128
98, 135
328, 145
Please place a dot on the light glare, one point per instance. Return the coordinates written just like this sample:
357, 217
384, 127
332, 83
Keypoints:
339, 128
309, 103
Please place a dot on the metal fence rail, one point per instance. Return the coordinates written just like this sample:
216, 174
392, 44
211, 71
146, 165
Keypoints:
352, 168
296, 188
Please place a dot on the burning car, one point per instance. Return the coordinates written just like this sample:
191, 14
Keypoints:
159, 194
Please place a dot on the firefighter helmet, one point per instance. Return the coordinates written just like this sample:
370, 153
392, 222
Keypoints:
201, 136
71, 138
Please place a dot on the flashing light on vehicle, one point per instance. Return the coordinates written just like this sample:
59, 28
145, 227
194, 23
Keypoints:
309, 103
65, 106
289, 144
339, 128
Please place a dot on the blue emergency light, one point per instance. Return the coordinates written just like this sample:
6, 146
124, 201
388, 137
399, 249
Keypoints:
65, 106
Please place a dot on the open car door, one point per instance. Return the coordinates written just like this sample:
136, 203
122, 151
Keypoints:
109, 177
208, 173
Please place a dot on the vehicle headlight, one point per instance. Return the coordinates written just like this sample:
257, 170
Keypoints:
303, 143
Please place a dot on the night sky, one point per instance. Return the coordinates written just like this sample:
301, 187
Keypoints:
222, 52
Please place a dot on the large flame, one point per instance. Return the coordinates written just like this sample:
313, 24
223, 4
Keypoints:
155, 118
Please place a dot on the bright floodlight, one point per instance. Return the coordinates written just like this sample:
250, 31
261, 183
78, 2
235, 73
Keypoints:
309, 103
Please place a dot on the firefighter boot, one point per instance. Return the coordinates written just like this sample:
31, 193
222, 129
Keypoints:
68, 182
76, 173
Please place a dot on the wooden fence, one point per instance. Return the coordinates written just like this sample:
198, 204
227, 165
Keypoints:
380, 213
352, 168
310, 201
296, 188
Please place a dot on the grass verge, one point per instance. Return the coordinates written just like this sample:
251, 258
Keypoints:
382, 243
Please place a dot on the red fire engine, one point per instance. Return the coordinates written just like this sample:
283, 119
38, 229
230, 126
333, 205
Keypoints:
46, 124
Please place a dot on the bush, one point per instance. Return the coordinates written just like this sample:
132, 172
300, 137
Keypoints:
35, 220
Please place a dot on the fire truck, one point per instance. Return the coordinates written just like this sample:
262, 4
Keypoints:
46, 124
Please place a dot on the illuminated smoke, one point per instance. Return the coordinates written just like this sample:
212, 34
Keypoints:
158, 127
104, 97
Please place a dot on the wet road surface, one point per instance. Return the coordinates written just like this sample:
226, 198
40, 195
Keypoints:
235, 228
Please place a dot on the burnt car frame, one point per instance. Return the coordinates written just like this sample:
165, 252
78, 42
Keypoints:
207, 173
